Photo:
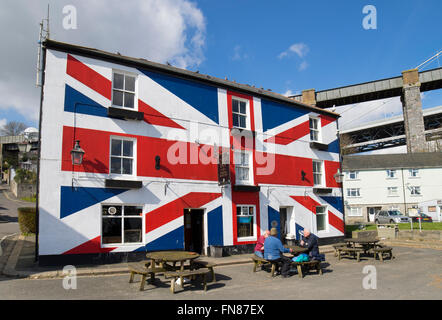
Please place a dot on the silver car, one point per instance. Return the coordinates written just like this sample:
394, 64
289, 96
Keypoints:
391, 216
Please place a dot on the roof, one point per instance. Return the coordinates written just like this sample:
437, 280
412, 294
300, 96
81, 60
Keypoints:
392, 161
182, 73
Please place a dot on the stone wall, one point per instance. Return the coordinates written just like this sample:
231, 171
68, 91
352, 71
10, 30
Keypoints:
23, 190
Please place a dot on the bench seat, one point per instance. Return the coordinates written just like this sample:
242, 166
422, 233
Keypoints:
261, 261
186, 273
379, 251
355, 252
144, 269
316, 264
204, 264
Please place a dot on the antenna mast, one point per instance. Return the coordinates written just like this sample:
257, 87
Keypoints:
43, 35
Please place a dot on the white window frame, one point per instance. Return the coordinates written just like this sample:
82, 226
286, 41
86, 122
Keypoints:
247, 114
413, 190
358, 213
249, 238
389, 174
356, 175
350, 190
130, 74
326, 219
317, 130
390, 192
415, 172
134, 156
111, 245
321, 166
250, 168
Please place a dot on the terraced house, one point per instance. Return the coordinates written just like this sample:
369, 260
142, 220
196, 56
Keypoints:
138, 156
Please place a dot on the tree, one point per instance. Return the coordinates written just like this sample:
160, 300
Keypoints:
12, 128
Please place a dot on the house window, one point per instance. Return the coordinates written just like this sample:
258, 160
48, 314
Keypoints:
392, 191
318, 177
123, 90
242, 167
355, 212
121, 224
314, 129
391, 173
122, 156
353, 175
321, 218
415, 191
414, 173
245, 216
353, 192
239, 113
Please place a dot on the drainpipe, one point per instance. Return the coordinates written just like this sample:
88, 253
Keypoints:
405, 199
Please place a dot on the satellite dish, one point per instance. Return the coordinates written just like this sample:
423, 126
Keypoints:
112, 210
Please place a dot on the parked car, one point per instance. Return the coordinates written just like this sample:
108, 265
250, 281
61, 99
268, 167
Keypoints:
424, 218
391, 216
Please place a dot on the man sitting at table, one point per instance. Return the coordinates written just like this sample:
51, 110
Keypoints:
273, 251
310, 241
259, 248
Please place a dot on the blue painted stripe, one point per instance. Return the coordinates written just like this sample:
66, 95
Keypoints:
274, 220
335, 202
298, 228
174, 240
75, 101
202, 97
334, 146
215, 227
275, 114
75, 199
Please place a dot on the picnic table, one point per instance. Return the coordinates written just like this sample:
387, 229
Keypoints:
366, 244
296, 250
163, 257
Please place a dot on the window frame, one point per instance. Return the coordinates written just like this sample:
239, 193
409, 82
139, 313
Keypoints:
123, 205
250, 168
321, 166
349, 190
134, 156
350, 212
390, 194
355, 172
411, 171
389, 171
413, 190
326, 230
247, 114
318, 129
129, 74
254, 236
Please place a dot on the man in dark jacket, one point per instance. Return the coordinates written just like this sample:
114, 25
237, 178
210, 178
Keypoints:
310, 241
273, 251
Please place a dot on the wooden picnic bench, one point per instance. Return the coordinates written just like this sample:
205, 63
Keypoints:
307, 265
380, 250
261, 261
186, 273
336, 246
144, 269
354, 252
197, 264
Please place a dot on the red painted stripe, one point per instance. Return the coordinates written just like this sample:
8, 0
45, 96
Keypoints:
175, 209
291, 134
336, 221
89, 77
325, 120
91, 246
307, 202
153, 116
331, 167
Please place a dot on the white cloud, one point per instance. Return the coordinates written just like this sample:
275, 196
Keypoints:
238, 54
157, 30
289, 93
301, 49
303, 66
3, 122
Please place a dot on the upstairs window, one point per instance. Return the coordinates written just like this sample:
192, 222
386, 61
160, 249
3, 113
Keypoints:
415, 191
414, 173
239, 113
315, 125
392, 191
391, 173
353, 192
123, 90
242, 167
318, 176
122, 156
352, 175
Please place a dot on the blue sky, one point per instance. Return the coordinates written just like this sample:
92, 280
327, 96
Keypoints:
243, 40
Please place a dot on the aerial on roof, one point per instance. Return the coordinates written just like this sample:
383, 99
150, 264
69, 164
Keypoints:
393, 161
143, 63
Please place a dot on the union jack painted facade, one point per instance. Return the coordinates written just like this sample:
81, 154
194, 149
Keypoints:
179, 111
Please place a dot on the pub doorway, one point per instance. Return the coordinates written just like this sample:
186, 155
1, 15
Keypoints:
194, 230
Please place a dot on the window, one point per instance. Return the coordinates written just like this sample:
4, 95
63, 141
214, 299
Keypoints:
392, 191
123, 90
353, 192
321, 218
239, 113
391, 173
355, 212
318, 177
245, 216
415, 191
122, 156
414, 173
121, 224
353, 175
242, 167
314, 129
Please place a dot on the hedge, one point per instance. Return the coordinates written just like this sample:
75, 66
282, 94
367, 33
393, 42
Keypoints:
26, 219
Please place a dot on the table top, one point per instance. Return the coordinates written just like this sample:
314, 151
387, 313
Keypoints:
297, 249
361, 240
172, 256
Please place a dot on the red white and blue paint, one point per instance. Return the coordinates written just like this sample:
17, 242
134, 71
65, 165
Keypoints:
77, 93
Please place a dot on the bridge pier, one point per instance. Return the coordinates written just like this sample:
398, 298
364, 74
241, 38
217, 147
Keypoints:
412, 110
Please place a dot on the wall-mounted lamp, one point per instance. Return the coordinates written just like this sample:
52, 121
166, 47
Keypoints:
157, 162
339, 177
24, 146
303, 175
77, 154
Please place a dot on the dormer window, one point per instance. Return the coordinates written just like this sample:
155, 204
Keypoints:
123, 90
239, 113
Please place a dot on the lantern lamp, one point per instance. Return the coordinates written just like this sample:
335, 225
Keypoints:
77, 154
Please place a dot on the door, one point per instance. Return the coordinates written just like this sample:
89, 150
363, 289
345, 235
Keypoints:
371, 211
193, 230
283, 224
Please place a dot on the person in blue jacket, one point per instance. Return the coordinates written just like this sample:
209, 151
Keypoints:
273, 251
310, 241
